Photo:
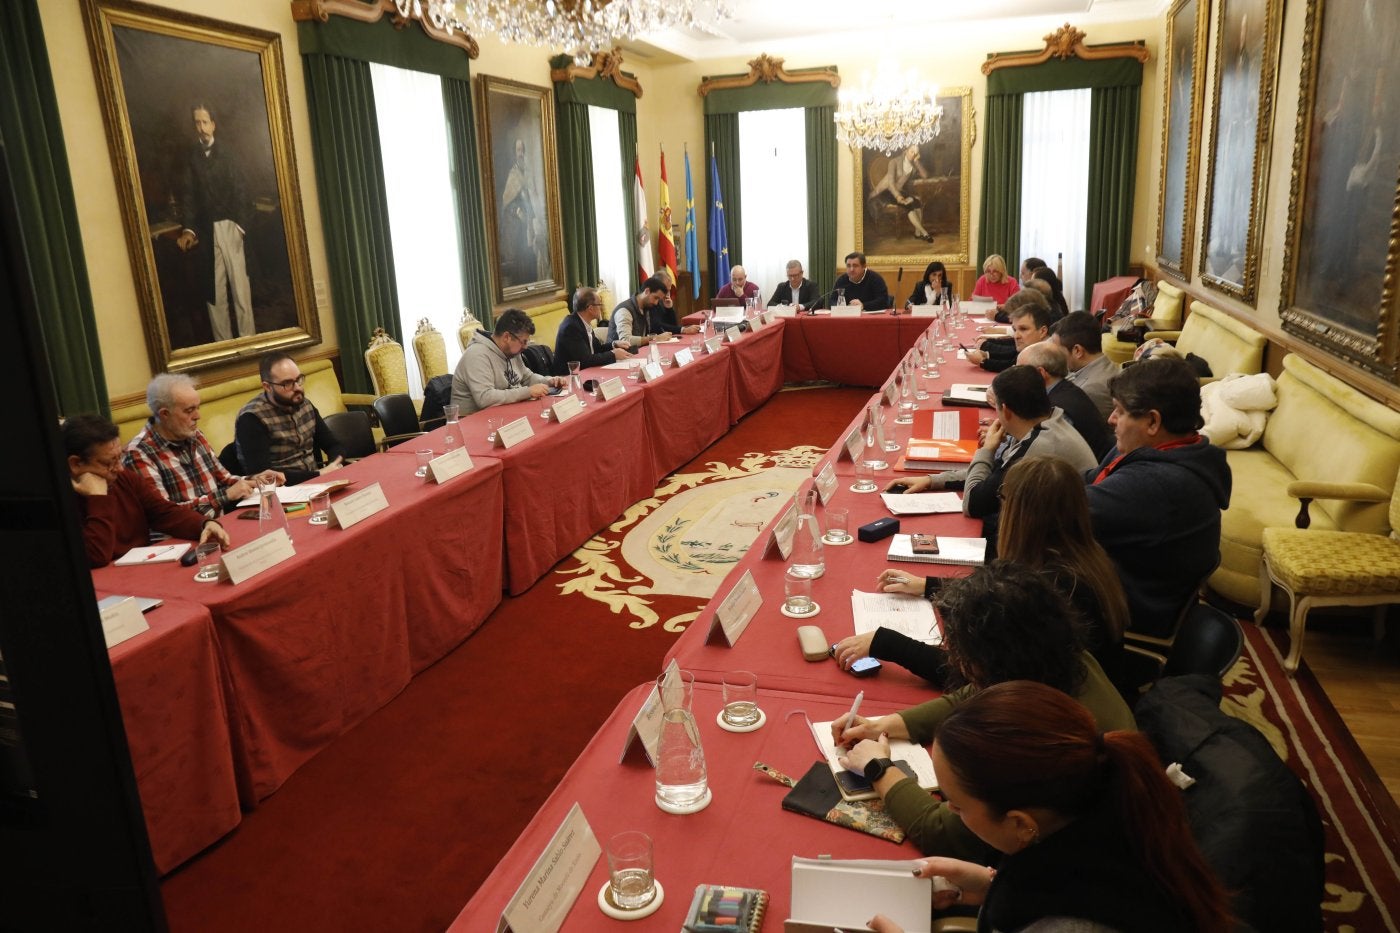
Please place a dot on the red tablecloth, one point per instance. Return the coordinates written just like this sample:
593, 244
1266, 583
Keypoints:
1109, 293
756, 372
172, 686
743, 837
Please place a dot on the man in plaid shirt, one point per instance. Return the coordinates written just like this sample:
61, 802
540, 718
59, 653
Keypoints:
177, 458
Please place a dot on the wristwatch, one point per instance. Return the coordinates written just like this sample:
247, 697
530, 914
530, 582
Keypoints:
876, 768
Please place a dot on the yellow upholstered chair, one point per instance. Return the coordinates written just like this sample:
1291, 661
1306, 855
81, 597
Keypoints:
469, 326
1331, 568
430, 350
1167, 313
385, 361
1226, 343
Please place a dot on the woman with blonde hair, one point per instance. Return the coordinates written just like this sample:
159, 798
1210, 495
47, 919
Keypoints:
994, 282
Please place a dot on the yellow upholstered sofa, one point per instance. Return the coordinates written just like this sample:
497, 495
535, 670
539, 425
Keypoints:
547, 318
1227, 344
1322, 439
220, 402
1167, 311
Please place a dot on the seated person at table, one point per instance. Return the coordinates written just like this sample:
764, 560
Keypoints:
281, 429
119, 507
1049, 359
1028, 266
576, 342
934, 289
797, 291
1156, 500
491, 371
1029, 314
1044, 526
1091, 836
739, 287
1048, 283
636, 323
1004, 622
666, 310
1030, 427
1082, 339
994, 283
863, 288
175, 456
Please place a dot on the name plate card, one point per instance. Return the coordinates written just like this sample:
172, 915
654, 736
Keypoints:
453, 463
359, 505
646, 725
734, 334
891, 390
736, 610
826, 482
767, 316
513, 432
682, 358
610, 389
712, 344
854, 444
122, 620
253, 558
781, 532
566, 408
756, 323
651, 371
555, 881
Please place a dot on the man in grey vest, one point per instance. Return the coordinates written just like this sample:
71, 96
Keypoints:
281, 429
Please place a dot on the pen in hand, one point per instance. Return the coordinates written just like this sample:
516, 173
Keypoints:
851, 717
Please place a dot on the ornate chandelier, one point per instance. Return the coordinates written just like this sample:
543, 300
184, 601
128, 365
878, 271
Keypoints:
580, 27
889, 114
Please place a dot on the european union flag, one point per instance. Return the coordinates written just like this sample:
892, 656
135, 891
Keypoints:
719, 236
692, 247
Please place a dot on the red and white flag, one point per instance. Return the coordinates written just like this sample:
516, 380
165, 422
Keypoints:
644, 262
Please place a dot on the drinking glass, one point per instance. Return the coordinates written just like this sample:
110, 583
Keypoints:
321, 508
865, 477
423, 457
906, 412
631, 884
797, 593
208, 562
634, 369
740, 698
492, 426
837, 523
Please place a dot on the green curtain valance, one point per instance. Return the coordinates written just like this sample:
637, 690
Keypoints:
408, 48
1065, 75
775, 96
595, 92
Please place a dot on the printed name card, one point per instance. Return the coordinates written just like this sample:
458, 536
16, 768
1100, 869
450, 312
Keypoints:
556, 879
646, 725
453, 463
122, 620
712, 344
651, 372
566, 408
756, 323
767, 316
736, 610
253, 558
610, 389
781, 532
735, 333
513, 432
682, 358
826, 482
854, 445
891, 389
359, 505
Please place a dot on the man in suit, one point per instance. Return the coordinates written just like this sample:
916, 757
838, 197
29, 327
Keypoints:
797, 291
1049, 359
575, 341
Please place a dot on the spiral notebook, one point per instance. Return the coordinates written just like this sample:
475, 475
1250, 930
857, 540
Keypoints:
971, 552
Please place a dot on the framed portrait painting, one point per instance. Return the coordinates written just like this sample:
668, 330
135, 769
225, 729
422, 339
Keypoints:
520, 185
197, 124
1246, 42
1187, 25
1340, 265
912, 206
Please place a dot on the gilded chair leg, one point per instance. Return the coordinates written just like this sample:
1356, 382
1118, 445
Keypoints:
1298, 620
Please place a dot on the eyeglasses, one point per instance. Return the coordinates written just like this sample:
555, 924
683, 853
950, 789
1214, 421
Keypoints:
524, 341
289, 383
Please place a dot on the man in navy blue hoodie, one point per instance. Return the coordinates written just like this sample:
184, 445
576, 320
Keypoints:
1156, 498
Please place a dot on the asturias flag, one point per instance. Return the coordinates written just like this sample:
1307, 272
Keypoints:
666, 246
692, 246
643, 232
719, 236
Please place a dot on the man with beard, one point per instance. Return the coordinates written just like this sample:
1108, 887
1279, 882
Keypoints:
281, 429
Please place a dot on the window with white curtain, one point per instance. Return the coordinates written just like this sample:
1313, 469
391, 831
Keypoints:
422, 213
773, 191
609, 211
1055, 183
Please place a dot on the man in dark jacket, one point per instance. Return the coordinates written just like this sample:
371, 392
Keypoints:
575, 340
1156, 498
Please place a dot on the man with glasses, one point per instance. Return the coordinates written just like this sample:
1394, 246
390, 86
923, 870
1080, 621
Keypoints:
119, 507
491, 371
576, 340
281, 429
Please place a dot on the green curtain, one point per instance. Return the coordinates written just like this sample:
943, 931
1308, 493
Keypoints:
821, 193
354, 209
627, 142
1113, 131
466, 189
722, 141
32, 137
999, 225
576, 196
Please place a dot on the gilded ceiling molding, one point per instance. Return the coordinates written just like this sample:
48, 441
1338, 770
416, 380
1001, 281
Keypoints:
605, 65
1065, 42
320, 11
768, 69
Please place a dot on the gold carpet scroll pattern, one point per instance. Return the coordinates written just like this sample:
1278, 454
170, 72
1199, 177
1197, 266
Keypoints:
684, 539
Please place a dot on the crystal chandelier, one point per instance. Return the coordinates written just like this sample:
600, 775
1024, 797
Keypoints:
580, 27
889, 114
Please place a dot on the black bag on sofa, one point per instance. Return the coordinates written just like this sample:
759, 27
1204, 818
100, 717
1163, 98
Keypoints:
436, 394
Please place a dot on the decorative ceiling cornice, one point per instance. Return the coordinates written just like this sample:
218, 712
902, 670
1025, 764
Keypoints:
1065, 42
767, 69
320, 11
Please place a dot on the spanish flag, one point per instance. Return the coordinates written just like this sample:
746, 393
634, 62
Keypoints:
666, 245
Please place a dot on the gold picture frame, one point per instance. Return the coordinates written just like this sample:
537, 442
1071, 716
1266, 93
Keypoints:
214, 232
1242, 106
1188, 24
520, 188
1342, 249
883, 231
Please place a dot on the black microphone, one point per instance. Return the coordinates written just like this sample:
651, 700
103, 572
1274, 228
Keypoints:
821, 302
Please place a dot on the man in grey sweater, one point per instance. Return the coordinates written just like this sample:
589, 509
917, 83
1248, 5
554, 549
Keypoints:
491, 372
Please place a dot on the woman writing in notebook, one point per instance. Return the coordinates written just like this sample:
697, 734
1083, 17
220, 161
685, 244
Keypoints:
1090, 834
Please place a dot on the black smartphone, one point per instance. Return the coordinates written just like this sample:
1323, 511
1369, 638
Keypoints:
865, 667
556, 390
898, 487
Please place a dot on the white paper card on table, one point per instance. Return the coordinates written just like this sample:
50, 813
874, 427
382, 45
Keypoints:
144, 603
554, 882
922, 503
257, 555
712, 344
756, 323
735, 334
651, 372
962, 354
826, 482
610, 389
155, 554
924, 311
566, 408
736, 610
513, 432
908, 615
122, 620
620, 364
646, 725
730, 314
853, 445
682, 358
302, 492
846, 893
359, 506
780, 532
453, 463
891, 390
767, 316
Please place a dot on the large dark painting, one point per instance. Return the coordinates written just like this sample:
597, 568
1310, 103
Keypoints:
1181, 130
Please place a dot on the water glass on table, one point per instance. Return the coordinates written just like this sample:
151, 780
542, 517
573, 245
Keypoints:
492, 426
423, 457
207, 555
631, 883
321, 508
740, 698
837, 526
797, 593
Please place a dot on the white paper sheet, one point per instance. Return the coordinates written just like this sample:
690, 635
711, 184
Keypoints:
909, 615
